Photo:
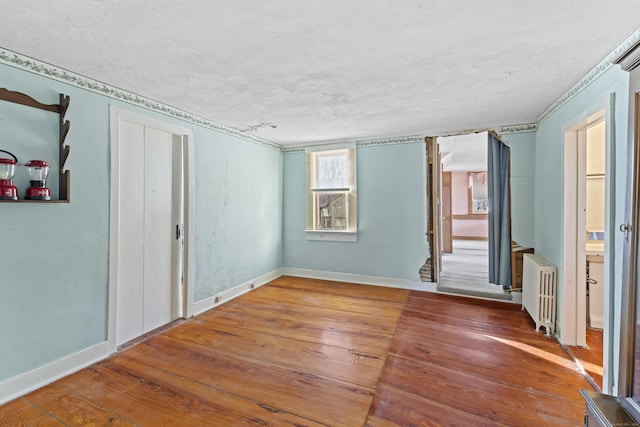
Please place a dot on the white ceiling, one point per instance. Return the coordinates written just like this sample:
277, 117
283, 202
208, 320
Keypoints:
296, 72
464, 153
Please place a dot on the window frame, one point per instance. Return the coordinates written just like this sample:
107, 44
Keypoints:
313, 230
471, 176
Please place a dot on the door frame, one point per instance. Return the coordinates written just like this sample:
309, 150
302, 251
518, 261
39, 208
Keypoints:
445, 208
573, 311
116, 115
434, 196
433, 208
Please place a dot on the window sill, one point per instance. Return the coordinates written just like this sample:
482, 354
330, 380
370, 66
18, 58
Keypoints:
332, 235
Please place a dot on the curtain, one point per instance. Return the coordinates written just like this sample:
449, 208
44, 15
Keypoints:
499, 213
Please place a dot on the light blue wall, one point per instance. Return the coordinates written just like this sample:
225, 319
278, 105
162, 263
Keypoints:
238, 212
549, 172
54, 257
522, 147
391, 216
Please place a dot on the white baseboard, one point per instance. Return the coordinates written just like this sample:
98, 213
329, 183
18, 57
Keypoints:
32, 380
222, 297
361, 279
597, 321
24, 383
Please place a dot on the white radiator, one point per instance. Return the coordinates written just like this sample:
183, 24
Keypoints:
539, 291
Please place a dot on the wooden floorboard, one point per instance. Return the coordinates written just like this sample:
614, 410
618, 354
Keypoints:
305, 352
591, 356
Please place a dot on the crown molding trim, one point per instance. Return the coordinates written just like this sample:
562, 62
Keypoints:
527, 127
595, 72
390, 141
629, 60
31, 65
362, 143
294, 150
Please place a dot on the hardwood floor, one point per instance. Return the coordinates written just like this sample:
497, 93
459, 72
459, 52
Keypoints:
465, 271
591, 357
303, 352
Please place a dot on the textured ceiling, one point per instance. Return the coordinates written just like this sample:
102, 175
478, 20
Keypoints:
296, 72
464, 153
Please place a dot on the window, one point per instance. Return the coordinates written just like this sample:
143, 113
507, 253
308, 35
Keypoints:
331, 194
478, 193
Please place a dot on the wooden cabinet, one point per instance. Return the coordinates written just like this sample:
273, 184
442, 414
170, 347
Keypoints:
517, 253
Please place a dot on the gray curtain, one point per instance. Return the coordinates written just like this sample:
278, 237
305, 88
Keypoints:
499, 213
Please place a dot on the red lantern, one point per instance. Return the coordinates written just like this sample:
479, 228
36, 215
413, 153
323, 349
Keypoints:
8, 191
38, 171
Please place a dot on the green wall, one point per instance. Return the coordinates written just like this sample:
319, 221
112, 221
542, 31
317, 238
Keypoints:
238, 212
54, 257
522, 147
391, 216
549, 173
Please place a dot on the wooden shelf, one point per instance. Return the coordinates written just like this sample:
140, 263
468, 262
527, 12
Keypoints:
63, 150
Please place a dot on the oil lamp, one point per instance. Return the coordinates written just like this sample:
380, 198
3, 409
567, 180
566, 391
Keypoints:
8, 191
38, 171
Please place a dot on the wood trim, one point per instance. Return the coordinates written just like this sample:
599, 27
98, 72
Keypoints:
471, 216
432, 182
446, 222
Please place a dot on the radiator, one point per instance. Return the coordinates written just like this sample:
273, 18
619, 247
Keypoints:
539, 291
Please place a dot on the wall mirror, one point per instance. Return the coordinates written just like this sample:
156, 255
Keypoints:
478, 193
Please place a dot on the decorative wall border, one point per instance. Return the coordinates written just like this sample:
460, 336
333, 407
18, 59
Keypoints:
363, 143
595, 72
26, 63
528, 127
390, 141
294, 150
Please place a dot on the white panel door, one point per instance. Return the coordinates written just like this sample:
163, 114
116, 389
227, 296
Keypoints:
179, 178
159, 229
131, 241
149, 292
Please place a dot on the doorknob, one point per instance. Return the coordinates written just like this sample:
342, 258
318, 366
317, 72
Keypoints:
626, 229
177, 231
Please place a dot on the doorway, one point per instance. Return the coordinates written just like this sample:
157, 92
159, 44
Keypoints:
151, 207
585, 284
459, 202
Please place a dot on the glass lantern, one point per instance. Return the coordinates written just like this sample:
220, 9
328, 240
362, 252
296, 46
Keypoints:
38, 170
8, 191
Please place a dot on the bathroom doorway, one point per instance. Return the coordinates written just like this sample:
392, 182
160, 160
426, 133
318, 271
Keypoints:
585, 223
